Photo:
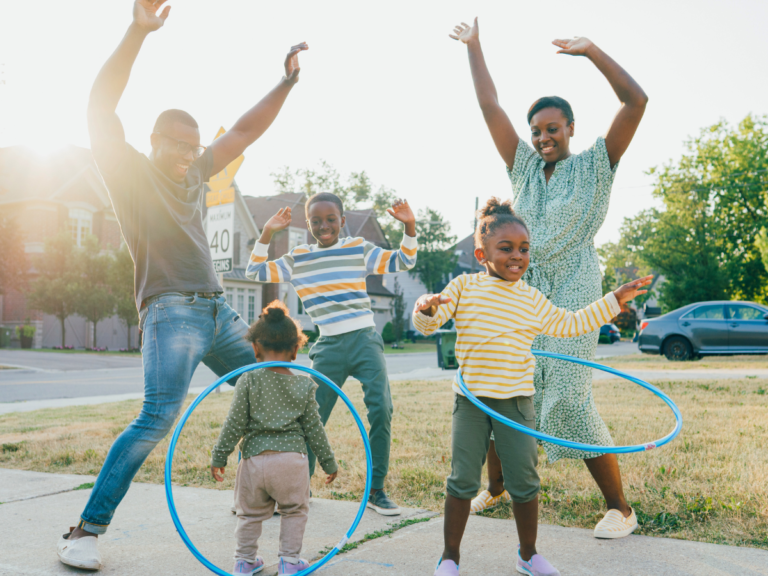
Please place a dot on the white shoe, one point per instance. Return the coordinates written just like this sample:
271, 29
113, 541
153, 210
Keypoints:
484, 500
614, 525
80, 553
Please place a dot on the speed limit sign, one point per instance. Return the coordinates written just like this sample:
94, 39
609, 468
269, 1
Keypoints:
221, 220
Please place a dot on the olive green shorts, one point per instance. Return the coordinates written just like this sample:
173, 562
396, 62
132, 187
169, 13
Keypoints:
518, 452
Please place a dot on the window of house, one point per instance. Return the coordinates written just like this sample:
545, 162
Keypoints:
241, 301
80, 224
236, 250
228, 295
296, 238
251, 306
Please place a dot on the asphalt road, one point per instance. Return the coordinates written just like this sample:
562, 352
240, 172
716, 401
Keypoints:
52, 375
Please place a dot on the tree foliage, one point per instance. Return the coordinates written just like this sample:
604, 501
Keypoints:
397, 306
356, 192
121, 280
706, 240
435, 259
13, 262
54, 291
96, 300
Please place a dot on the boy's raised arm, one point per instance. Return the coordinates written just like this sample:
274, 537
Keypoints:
106, 131
381, 261
259, 268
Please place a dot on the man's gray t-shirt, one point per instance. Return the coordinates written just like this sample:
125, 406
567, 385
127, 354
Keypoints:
162, 223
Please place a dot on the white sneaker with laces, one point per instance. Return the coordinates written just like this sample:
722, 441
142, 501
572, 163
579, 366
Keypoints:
614, 525
80, 553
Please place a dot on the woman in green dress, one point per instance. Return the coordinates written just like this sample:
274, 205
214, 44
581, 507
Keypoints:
563, 198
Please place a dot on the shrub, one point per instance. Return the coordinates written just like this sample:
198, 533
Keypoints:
388, 333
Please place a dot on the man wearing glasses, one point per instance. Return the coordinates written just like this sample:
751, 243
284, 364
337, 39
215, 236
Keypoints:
183, 316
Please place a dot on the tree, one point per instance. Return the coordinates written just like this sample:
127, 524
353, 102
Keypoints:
706, 239
388, 333
121, 281
96, 300
358, 192
54, 291
397, 306
13, 262
436, 258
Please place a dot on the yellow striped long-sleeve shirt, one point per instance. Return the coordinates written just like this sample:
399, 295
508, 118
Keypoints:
496, 321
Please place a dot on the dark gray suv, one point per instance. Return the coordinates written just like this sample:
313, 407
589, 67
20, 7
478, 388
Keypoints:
707, 328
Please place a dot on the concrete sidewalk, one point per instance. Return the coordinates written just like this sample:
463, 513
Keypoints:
143, 541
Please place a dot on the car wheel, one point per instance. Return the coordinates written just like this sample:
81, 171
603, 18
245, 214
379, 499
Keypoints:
677, 349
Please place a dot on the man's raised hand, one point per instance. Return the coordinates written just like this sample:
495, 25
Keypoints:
292, 67
426, 303
576, 46
466, 33
145, 14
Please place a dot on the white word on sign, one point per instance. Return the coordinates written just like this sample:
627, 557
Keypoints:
221, 220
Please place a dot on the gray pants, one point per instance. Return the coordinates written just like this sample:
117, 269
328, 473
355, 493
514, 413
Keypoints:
518, 452
263, 480
359, 354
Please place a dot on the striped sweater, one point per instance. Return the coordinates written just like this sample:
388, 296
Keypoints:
331, 281
496, 323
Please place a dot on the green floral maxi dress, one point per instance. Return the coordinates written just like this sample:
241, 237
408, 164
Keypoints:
563, 216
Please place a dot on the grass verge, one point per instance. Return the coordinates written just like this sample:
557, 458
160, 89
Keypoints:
710, 484
656, 362
376, 534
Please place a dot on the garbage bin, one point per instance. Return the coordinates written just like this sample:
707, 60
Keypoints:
446, 350
5, 336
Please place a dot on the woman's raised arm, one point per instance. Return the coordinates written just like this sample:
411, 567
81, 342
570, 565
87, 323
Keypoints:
503, 133
631, 96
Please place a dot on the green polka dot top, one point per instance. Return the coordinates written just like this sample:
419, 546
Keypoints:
272, 411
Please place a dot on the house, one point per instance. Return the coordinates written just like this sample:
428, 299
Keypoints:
47, 194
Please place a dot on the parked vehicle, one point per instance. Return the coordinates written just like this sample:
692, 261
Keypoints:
610, 332
707, 328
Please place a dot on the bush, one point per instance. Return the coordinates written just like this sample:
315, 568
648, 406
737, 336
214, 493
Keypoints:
26, 331
388, 333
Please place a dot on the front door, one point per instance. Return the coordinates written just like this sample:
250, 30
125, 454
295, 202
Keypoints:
747, 328
706, 328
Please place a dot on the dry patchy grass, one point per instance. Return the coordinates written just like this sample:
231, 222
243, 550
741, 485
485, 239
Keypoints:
710, 484
657, 362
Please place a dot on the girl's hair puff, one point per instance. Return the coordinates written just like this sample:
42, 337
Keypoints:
492, 216
275, 330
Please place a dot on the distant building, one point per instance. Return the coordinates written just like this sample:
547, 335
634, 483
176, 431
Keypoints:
45, 195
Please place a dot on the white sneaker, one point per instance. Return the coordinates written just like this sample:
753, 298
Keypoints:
614, 525
80, 553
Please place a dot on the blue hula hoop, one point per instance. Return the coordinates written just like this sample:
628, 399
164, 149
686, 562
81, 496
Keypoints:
577, 445
177, 431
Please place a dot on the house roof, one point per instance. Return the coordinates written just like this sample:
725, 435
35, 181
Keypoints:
364, 223
262, 208
466, 251
375, 287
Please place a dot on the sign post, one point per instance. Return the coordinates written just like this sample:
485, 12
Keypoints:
220, 219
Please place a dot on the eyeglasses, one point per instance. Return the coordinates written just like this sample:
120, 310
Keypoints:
184, 148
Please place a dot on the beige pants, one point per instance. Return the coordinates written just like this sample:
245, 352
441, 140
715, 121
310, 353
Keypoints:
263, 480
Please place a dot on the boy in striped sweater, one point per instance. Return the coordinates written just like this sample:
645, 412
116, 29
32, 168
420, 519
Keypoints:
497, 317
329, 277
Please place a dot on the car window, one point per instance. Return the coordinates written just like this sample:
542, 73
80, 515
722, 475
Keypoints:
737, 312
712, 312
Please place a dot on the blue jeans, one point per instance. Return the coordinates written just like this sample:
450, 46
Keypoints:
178, 333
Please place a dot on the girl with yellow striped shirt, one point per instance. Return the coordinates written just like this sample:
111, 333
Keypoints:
497, 317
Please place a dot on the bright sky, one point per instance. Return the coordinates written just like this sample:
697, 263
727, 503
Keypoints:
383, 88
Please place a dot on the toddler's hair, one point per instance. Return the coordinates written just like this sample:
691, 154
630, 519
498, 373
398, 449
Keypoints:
275, 330
492, 216
551, 102
324, 197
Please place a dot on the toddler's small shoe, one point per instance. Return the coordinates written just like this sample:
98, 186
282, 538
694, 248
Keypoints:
446, 568
80, 553
614, 525
287, 566
484, 500
242, 567
536, 566
380, 502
